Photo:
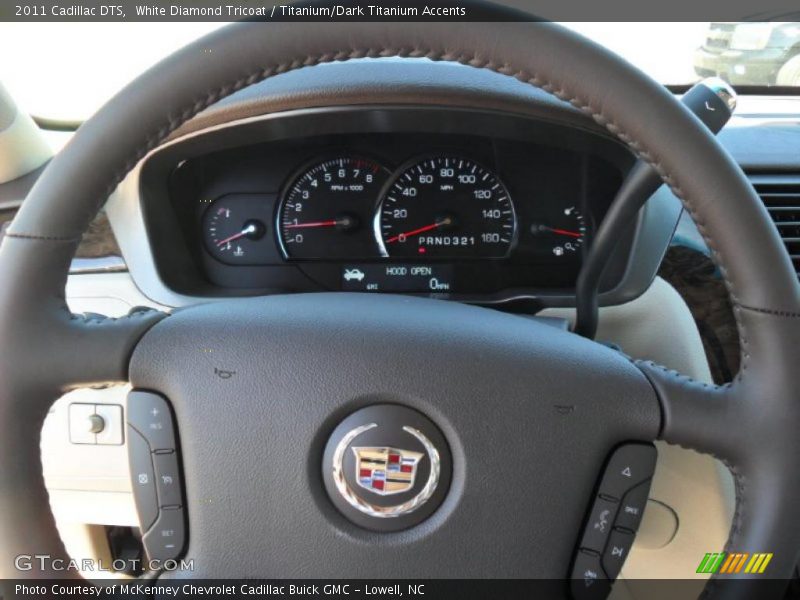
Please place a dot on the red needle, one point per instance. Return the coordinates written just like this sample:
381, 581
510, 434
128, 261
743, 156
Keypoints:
247, 230
331, 223
574, 234
418, 231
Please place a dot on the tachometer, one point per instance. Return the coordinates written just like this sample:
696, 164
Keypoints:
446, 207
326, 210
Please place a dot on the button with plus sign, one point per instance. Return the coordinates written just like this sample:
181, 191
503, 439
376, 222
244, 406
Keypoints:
149, 414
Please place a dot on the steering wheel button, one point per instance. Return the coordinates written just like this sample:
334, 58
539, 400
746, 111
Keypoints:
111, 415
589, 581
619, 544
165, 539
95, 424
632, 507
168, 482
149, 414
142, 479
599, 526
629, 466
79, 419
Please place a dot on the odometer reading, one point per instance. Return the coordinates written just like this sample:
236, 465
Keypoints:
446, 207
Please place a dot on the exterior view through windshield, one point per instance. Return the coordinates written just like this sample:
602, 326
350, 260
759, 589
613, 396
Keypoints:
95, 60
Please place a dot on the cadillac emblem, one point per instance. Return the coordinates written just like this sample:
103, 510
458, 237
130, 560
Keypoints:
384, 463
386, 470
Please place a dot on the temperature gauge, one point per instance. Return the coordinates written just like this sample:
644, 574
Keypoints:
231, 232
563, 235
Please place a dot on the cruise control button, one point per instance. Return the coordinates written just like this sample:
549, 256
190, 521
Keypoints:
168, 481
619, 544
632, 507
629, 466
589, 582
149, 414
601, 520
143, 479
165, 539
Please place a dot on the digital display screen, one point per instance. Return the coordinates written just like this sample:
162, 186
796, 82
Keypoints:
398, 278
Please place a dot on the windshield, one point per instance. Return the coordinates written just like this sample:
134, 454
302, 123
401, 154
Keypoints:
95, 60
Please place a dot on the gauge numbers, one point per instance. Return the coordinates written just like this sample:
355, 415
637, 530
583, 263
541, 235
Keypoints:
445, 207
327, 209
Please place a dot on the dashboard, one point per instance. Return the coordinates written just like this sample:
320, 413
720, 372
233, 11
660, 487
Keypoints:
466, 204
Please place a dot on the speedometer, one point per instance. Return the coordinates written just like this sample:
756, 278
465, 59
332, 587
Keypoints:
446, 207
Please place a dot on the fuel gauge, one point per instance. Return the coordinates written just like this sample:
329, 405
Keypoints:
564, 234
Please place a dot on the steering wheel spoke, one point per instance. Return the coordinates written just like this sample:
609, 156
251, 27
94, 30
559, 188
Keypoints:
58, 350
691, 410
109, 342
748, 425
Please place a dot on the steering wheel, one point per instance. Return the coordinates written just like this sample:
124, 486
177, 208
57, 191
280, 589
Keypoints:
253, 445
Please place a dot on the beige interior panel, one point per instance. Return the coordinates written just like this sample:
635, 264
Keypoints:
88, 482
22, 147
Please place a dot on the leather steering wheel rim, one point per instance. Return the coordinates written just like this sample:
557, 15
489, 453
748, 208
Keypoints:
750, 424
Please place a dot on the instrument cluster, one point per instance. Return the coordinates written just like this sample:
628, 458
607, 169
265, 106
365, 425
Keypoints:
463, 214
354, 208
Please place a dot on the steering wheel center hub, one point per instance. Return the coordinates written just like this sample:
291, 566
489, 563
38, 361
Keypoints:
331, 395
386, 467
